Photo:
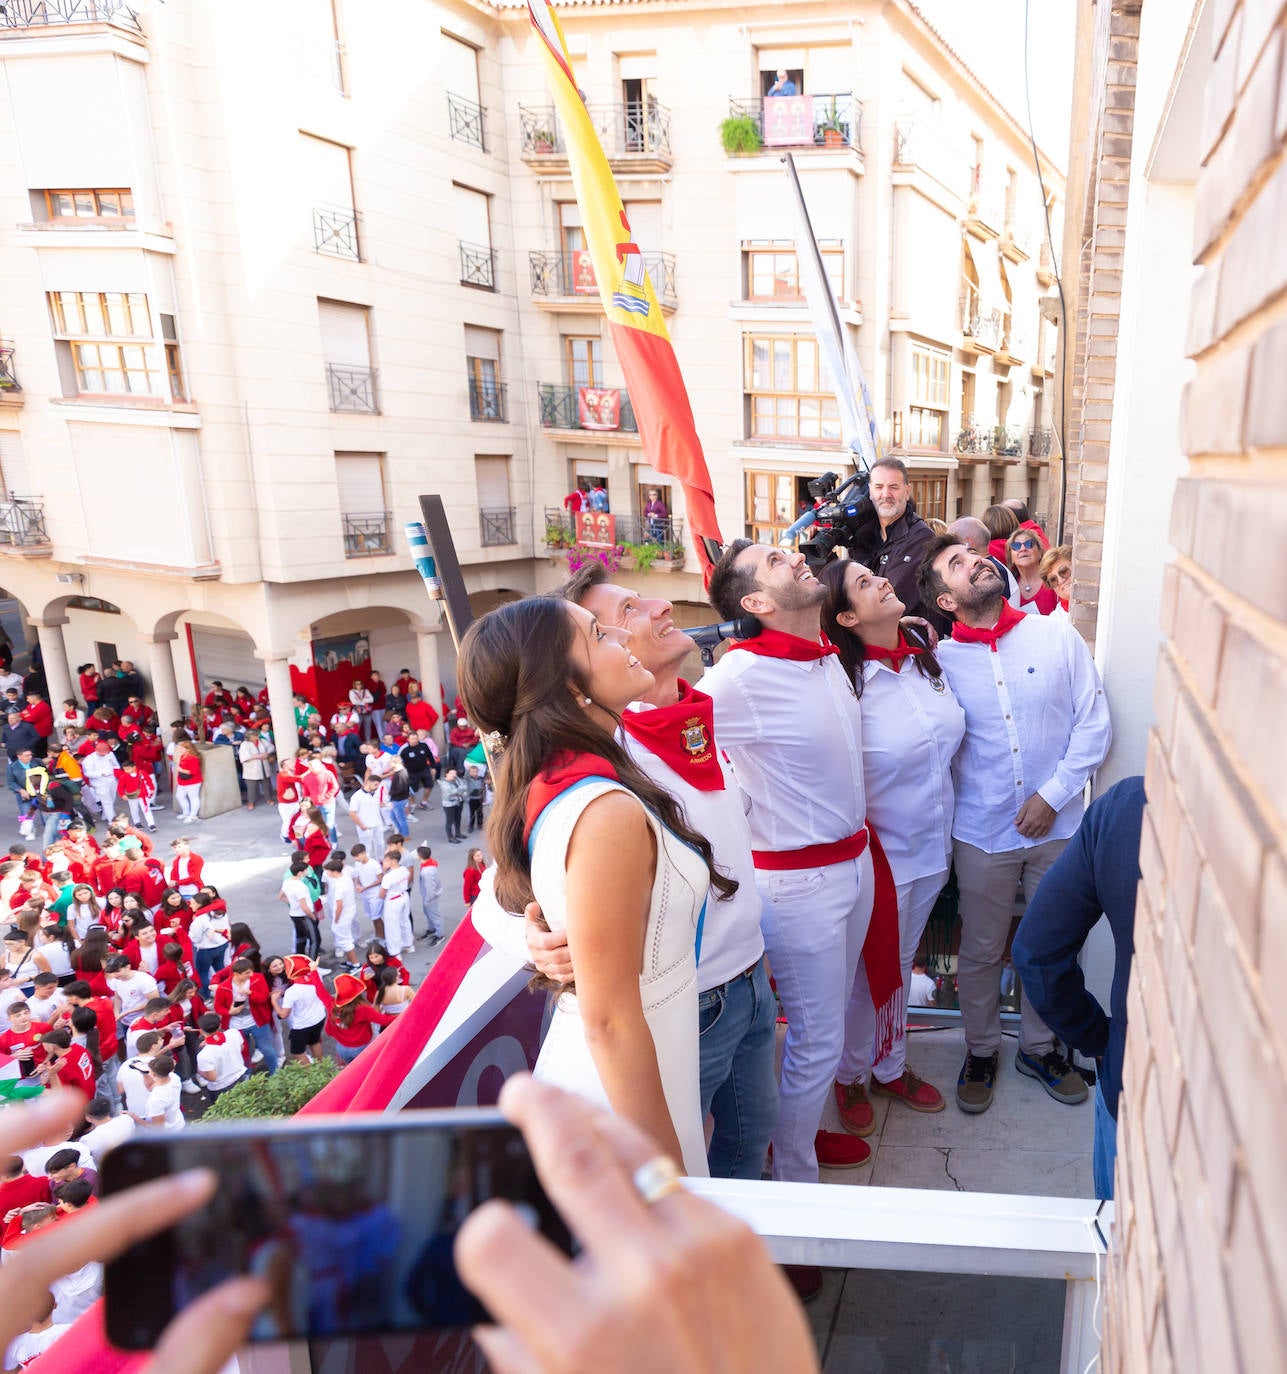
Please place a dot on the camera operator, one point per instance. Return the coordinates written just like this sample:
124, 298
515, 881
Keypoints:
891, 538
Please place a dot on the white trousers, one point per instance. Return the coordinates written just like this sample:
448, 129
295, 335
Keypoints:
287, 811
344, 931
398, 934
374, 841
140, 811
187, 800
103, 790
915, 902
814, 923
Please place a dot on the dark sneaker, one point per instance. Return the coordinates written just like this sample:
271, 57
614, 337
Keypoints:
975, 1084
856, 1114
1055, 1074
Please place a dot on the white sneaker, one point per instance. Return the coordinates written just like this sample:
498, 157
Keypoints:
190, 1087
257, 1057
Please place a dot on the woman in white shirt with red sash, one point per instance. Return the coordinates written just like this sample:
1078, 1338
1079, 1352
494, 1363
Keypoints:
912, 727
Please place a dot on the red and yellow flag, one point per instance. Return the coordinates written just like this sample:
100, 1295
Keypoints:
657, 392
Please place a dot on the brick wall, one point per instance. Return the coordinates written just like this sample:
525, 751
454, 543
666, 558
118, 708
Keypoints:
1198, 1279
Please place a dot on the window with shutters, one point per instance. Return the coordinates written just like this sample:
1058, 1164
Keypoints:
487, 391
496, 517
367, 525
773, 501
328, 174
346, 349
106, 345
458, 64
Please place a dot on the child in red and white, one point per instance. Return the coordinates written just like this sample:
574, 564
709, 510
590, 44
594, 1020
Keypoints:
66, 1064
71, 717
395, 888
221, 1060
342, 901
300, 1005
290, 794
137, 786
351, 1021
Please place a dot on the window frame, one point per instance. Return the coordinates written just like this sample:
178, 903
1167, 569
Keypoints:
756, 529
833, 257
122, 193
828, 410
78, 336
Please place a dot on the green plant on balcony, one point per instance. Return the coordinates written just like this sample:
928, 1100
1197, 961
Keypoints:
741, 134
558, 536
542, 141
643, 556
832, 130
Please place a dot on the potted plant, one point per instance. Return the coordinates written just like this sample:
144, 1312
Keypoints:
557, 535
741, 134
542, 141
643, 556
834, 133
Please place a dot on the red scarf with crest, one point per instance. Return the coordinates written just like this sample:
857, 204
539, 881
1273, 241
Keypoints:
682, 736
1006, 621
557, 776
777, 644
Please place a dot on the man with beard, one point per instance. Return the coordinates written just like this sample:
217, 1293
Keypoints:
1036, 729
892, 539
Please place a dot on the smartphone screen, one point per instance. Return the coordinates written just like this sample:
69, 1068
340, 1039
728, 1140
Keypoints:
350, 1221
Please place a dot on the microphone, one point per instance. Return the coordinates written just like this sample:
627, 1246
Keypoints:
808, 519
708, 636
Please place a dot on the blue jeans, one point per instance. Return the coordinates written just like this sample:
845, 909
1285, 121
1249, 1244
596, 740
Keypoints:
263, 1040
348, 1053
399, 809
207, 961
737, 1024
328, 815
1104, 1150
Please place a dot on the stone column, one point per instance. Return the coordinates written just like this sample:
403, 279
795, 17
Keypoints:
430, 673
53, 654
281, 706
165, 685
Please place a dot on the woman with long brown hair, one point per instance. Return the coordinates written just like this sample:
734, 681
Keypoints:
608, 854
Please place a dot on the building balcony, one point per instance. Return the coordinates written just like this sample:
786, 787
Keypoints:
643, 543
24, 14
1016, 242
980, 324
478, 265
10, 390
497, 526
22, 527
1008, 442
825, 120
465, 121
1045, 263
488, 400
566, 282
985, 209
635, 136
1040, 442
335, 231
920, 147
589, 413
367, 535
1016, 342
352, 389
975, 439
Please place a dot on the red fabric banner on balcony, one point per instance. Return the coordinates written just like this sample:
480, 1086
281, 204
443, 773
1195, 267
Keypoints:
583, 278
596, 529
663, 413
788, 121
598, 407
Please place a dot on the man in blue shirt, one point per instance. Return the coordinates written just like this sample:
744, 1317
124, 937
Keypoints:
783, 85
1097, 873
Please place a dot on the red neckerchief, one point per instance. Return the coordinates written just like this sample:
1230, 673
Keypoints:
894, 657
1006, 621
217, 1038
777, 644
682, 736
562, 771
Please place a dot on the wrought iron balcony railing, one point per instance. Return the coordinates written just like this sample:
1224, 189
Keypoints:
830, 120
1007, 441
976, 435
592, 408
667, 532
368, 534
23, 14
352, 388
22, 522
465, 121
488, 400
1040, 442
918, 144
980, 323
497, 525
572, 274
335, 231
477, 265
8, 377
629, 130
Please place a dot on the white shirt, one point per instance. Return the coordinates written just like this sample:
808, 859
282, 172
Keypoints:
395, 883
922, 991
910, 735
210, 930
225, 1061
99, 1139
253, 754
165, 1101
1036, 720
365, 808
303, 1006
342, 894
35, 1159
793, 733
133, 1084
99, 767
368, 874
299, 900
26, 1347
133, 991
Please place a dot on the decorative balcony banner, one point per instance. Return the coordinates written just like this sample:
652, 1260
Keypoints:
596, 529
788, 120
583, 278
598, 407
662, 409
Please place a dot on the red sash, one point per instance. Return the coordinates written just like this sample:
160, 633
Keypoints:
1006, 621
812, 855
777, 644
682, 736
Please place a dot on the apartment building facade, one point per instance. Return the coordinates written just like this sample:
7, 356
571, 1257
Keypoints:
309, 277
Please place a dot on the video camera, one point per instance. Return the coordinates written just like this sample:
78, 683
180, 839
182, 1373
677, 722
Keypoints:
845, 507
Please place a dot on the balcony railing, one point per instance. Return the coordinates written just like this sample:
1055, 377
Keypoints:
634, 129
465, 121
477, 265
497, 526
488, 400
8, 377
823, 120
572, 274
367, 535
1007, 441
976, 436
22, 522
1040, 442
666, 532
918, 144
352, 388
23, 14
602, 409
335, 231
980, 323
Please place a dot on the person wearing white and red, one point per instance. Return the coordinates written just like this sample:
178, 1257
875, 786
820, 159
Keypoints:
300, 1005
136, 714
460, 740
290, 793
788, 719
211, 936
346, 727
321, 784
71, 717
22, 1036
40, 715
137, 786
366, 811
99, 769
186, 867
244, 1004
67, 1065
218, 697
1036, 729
187, 781
342, 902
912, 728
221, 1060
351, 1021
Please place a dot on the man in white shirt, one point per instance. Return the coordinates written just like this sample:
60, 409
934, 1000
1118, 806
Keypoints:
341, 897
1037, 728
105, 1130
302, 1009
164, 1099
787, 716
132, 989
221, 1060
133, 1080
366, 811
99, 768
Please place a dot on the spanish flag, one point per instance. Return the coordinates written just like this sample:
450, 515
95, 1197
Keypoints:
657, 391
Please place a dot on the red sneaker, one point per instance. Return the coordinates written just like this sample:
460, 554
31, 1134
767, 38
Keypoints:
837, 1151
856, 1115
911, 1090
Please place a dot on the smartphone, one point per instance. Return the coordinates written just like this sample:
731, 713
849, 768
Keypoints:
349, 1219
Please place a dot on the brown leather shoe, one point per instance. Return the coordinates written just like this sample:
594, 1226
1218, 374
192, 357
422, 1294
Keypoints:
911, 1090
856, 1115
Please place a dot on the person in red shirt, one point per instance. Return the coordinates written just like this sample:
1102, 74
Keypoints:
172, 968
137, 713
89, 679
461, 740
244, 993
186, 869
148, 752
22, 1039
574, 501
137, 786
218, 696
351, 1020
18, 1188
103, 720
377, 958
243, 705
67, 1065
290, 793
39, 714
420, 715
80, 994
475, 867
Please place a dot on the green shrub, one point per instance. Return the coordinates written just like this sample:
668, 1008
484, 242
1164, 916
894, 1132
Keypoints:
740, 134
644, 555
273, 1094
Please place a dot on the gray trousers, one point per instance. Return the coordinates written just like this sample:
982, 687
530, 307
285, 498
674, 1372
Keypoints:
988, 883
